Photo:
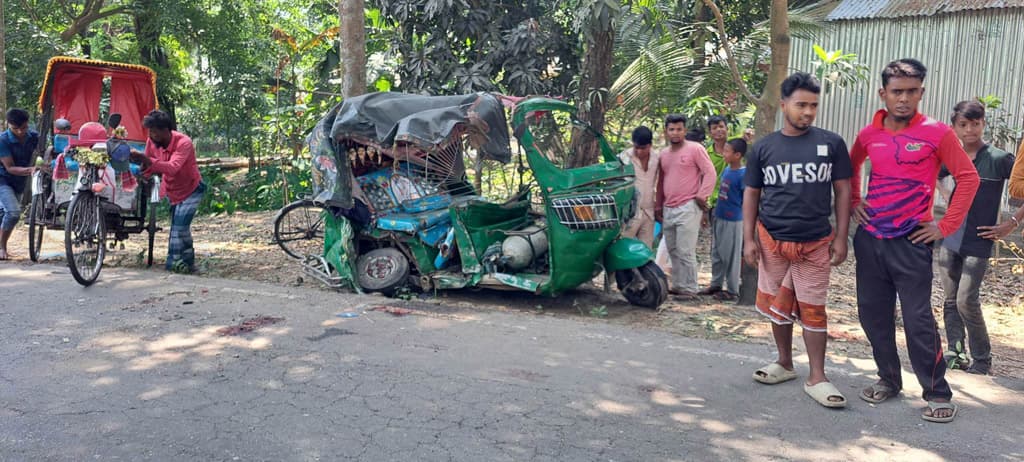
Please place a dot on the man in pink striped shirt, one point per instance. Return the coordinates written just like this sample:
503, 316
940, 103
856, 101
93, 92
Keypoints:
686, 180
895, 240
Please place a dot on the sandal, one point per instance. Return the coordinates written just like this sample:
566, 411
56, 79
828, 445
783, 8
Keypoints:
774, 373
935, 406
725, 296
682, 295
711, 290
822, 391
880, 387
979, 369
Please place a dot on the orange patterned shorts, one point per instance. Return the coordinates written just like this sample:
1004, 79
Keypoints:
792, 281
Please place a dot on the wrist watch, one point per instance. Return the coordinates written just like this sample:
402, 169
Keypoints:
1016, 222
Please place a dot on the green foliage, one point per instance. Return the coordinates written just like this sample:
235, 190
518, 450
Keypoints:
999, 123
838, 69
29, 44
264, 188
698, 109
752, 54
959, 357
451, 46
659, 65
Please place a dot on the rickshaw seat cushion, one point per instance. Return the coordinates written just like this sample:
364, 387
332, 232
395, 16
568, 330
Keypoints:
413, 222
423, 204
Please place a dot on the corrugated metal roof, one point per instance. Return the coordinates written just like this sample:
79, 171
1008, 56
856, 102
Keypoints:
866, 9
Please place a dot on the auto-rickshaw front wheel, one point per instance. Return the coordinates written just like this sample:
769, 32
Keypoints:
383, 270
644, 286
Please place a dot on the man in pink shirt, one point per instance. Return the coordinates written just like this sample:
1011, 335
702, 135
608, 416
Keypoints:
686, 180
894, 243
172, 155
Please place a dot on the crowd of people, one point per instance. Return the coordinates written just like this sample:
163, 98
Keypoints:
786, 208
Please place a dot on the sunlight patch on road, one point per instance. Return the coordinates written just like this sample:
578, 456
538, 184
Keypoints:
683, 417
155, 393
105, 381
157, 359
613, 407
716, 426
665, 398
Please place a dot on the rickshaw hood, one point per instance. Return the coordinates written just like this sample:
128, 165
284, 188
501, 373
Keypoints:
426, 121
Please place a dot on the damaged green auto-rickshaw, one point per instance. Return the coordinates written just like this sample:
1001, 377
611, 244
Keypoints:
390, 168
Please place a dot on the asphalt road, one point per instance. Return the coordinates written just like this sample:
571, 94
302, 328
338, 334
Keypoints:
133, 368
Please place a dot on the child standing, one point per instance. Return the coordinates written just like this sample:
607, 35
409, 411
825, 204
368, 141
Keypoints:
728, 224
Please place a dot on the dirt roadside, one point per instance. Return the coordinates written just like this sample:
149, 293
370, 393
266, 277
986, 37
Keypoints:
240, 246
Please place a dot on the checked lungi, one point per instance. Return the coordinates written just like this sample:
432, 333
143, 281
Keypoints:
180, 253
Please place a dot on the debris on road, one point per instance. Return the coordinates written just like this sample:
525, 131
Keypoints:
392, 309
249, 325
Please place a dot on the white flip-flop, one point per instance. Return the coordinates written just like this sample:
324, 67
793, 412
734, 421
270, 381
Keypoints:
822, 391
774, 373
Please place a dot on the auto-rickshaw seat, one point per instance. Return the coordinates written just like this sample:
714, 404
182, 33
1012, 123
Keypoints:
478, 213
413, 222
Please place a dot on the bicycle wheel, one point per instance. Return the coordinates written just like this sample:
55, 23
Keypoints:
151, 229
299, 229
85, 237
36, 227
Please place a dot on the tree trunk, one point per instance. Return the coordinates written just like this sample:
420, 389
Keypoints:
767, 113
768, 109
700, 36
147, 31
594, 83
3, 61
352, 51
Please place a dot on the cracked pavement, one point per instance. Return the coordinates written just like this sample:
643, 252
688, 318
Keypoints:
133, 369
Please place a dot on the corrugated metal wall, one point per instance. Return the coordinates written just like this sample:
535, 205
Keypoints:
968, 54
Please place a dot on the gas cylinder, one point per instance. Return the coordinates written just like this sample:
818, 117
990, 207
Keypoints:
519, 250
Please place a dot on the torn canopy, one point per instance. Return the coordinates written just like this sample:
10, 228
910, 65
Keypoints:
389, 119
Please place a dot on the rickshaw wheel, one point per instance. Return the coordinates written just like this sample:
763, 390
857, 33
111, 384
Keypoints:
382, 270
650, 291
85, 236
151, 228
299, 229
35, 227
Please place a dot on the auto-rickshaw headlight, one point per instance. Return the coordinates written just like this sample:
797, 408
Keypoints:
595, 211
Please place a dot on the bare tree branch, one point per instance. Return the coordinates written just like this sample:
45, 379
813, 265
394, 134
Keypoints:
736, 77
92, 12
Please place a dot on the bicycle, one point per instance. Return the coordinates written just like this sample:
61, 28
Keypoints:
299, 228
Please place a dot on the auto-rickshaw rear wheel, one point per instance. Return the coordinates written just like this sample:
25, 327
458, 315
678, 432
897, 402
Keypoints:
383, 270
644, 286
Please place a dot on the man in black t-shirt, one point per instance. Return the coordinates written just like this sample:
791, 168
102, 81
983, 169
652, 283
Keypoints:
791, 176
963, 258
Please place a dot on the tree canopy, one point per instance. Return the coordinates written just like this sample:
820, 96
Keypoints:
245, 76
